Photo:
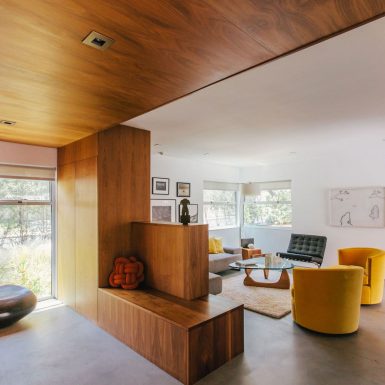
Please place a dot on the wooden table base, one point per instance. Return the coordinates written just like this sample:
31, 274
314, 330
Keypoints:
282, 283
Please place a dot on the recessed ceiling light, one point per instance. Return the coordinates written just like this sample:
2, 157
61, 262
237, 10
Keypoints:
156, 144
98, 41
7, 122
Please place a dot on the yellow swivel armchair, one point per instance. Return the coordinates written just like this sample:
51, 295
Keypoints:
373, 262
327, 300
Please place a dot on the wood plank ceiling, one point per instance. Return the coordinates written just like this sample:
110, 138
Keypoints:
59, 90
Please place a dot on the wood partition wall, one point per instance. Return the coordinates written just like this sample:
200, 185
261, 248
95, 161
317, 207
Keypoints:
103, 213
78, 227
175, 257
103, 186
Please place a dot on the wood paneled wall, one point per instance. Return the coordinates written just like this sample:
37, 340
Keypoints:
175, 257
77, 226
103, 184
86, 236
124, 191
77, 151
66, 236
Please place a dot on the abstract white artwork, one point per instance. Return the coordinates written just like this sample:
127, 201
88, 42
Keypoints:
357, 207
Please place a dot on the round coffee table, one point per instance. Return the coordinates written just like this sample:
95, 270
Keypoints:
259, 264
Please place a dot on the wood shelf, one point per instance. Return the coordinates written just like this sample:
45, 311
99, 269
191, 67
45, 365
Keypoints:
250, 253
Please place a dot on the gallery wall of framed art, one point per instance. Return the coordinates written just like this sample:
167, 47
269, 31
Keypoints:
195, 173
167, 208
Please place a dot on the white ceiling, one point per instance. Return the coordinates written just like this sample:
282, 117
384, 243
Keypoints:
326, 98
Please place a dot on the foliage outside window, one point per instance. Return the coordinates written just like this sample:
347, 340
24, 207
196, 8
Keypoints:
220, 208
26, 234
271, 207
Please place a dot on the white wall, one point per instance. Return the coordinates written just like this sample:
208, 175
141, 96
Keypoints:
269, 240
194, 172
310, 183
27, 155
231, 237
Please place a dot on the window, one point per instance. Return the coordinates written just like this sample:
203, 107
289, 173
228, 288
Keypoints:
220, 208
268, 204
26, 233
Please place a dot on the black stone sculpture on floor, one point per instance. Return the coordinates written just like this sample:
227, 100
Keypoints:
185, 215
15, 303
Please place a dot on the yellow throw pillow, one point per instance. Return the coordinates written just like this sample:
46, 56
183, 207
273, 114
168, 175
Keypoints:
218, 245
212, 246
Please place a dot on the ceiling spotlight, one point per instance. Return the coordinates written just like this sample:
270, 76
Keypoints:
98, 41
7, 122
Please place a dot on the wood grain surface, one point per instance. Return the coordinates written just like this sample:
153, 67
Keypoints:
66, 237
103, 185
250, 253
184, 313
59, 90
77, 230
124, 191
283, 26
161, 342
175, 257
187, 339
86, 236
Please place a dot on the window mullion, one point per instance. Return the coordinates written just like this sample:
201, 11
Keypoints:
25, 203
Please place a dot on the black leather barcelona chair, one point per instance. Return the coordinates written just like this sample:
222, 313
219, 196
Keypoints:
305, 248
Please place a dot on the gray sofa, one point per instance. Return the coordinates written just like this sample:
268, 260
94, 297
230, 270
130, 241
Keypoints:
215, 283
220, 262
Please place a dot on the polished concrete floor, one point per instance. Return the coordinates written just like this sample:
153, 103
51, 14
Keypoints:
59, 347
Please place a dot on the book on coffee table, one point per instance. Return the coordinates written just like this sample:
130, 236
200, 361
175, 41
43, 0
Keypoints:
247, 262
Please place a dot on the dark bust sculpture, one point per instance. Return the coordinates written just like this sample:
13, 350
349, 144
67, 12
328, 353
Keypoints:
185, 216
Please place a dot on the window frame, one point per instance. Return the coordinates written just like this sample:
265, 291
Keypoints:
223, 203
51, 202
266, 204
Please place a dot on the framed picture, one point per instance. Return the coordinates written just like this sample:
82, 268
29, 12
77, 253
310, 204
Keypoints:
160, 186
357, 207
182, 189
193, 210
163, 210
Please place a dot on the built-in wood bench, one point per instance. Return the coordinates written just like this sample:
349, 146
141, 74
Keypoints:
187, 339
